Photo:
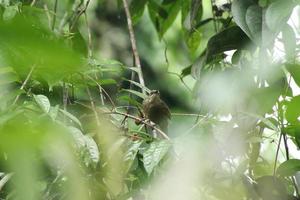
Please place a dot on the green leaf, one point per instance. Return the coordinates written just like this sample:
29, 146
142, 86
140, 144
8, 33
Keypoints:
292, 110
195, 13
10, 12
38, 47
289, 42
278, 13
85, 142
163, 16
254, 22
239, 10
288, 168
154, 153
228, 39
131, 153
137, 8
186, 71
108, 81
43, 102
71, 117
294, 69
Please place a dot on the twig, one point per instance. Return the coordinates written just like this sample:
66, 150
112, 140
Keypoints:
188, 114
54, 16
143, 121
182, 81
90, 51
24, 83
276, 155
79, 14
102, 90
93, 105
5, 179
48, 15
134, 47
32, 3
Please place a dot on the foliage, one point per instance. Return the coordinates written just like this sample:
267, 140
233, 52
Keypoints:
71, 122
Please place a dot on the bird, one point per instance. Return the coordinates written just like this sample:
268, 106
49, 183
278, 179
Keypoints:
156, 110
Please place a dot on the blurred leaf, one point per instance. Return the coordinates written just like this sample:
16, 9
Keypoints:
107, 81
137, 8
289, 42
271, 187
43, 102
139, 94
37, 47
294, 69
129, 100
278, 13
239, 10
292, 111
137, 84
254, 19
10, 12
154, 153
289, 168
195, 13
85, 142
228, 39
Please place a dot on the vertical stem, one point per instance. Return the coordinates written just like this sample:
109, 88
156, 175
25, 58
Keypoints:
134, 46
54, 16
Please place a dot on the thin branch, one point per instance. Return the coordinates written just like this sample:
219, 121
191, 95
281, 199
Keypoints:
277, 152
32, 3
102, 90
80, 12
24, 83
90, 51
54, 16
143, 121
134, 46
48, 15
182, 81
93, 105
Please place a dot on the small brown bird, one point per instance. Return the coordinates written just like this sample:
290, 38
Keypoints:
156, 110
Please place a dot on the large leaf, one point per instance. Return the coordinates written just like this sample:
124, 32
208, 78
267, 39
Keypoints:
229, 39
52, 58
289, 42
87, 143
154, 153
278, 13
254, 22
289, 167
239, 10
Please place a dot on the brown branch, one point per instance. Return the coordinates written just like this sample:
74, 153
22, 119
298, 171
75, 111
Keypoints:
143, 121
134, 47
